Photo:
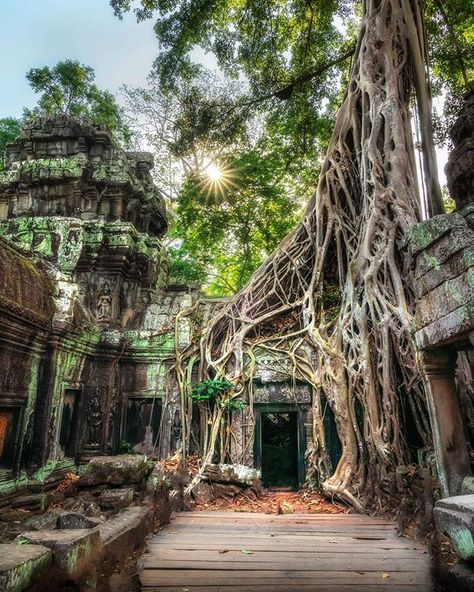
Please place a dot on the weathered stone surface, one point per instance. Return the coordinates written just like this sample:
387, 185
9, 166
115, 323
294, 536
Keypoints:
125, 530
75, 520
460, 167
203, 493
116, 499
454, 517
47, 521
442, 251
456, 325
233, 474
467, 487
226, 492
116, 470
21, 565
72, 549
31, 502
69, 152
445, 298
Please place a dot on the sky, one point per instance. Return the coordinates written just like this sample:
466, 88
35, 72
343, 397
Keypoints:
35, 33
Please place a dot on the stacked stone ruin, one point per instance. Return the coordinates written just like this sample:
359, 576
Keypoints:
86, 308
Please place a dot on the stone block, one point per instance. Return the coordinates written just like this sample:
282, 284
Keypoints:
445, 298
425, 234
203, 493
467, 487
125, 531
76, 520
72, 549
47, 521
454, 517
116, 470
226, 492
456, 325
442, 272
34, 502
116, 499
20, 565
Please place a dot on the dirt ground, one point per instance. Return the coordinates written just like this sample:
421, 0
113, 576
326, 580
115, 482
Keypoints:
277, 502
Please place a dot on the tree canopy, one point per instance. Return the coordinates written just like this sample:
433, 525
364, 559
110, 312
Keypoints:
230, 225
68, 87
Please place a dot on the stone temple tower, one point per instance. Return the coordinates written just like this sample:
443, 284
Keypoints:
86, 310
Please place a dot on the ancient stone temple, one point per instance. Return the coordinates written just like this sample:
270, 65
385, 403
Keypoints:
86, 332
87, 320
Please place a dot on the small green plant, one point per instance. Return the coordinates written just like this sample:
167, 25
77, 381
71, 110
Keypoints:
210, 389
234, 405
125, 447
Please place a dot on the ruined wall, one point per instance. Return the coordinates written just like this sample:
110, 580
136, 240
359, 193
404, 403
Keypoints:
442, 258
86, 313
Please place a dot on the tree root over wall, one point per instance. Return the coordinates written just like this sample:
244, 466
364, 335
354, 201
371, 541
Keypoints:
356, 349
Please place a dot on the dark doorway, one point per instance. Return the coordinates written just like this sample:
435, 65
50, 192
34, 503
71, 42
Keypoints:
9, 427
140, 414
279, 447
69, 421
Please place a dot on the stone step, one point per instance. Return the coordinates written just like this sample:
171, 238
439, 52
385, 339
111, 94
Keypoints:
21, 565
454, 518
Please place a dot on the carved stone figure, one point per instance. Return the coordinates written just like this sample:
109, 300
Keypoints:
104, 303
94, 421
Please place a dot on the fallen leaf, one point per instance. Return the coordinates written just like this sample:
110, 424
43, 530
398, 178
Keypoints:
246, 552
385, 576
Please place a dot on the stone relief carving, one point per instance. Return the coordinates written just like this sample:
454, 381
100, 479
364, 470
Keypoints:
104, 304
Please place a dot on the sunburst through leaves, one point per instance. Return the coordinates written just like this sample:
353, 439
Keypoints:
217, 177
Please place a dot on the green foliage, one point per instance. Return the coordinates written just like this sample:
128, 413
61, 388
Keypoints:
231, 227
294, 55
68, 87
184, 268
217, 392
125, 447
10, 128
450, 30
235, 405
208, 390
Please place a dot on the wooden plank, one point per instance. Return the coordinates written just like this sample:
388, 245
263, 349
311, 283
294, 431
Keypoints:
320, 564
292, 588
329, 547
289, 552
249, 578
259, 554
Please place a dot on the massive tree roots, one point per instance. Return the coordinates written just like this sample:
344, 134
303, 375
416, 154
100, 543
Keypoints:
335, 299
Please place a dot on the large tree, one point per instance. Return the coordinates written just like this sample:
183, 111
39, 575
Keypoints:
68, 87
356, 349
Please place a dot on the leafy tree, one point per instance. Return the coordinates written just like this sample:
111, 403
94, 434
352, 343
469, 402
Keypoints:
185, 126
230, 226
68, 87
10, 128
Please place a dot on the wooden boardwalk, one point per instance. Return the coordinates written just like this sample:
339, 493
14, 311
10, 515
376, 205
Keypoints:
241, 552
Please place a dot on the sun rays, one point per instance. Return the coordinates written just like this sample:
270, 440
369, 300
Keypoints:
216, 179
